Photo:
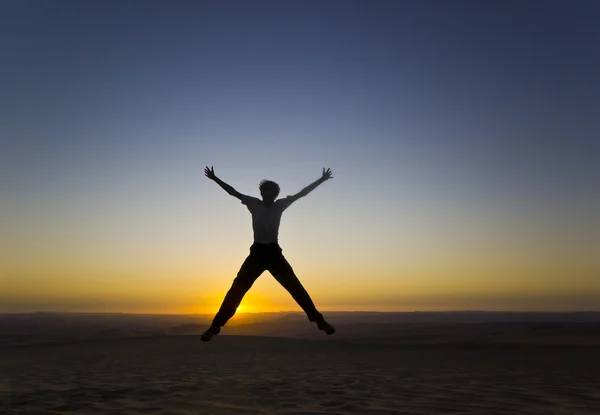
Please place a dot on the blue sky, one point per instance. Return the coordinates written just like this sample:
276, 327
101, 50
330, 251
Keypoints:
458, 132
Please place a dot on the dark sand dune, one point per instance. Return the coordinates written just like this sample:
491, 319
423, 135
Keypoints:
261, 375
415, 327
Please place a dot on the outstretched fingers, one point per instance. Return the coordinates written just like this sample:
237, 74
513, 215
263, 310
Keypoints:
209, 172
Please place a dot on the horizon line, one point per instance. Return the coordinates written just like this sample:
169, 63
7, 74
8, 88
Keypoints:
301, 312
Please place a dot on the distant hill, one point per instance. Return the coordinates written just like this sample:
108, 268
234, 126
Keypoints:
381, 327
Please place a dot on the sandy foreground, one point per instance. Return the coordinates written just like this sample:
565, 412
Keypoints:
262, 375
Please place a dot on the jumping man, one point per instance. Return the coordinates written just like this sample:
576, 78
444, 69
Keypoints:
265, 253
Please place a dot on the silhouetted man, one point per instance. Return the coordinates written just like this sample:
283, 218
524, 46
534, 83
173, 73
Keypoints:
265, 252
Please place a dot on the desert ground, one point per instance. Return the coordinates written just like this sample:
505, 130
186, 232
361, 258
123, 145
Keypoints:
236, 374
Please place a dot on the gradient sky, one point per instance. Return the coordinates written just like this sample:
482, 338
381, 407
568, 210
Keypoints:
464, 139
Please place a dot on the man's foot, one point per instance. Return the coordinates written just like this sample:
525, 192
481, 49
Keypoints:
322, 324
210, 333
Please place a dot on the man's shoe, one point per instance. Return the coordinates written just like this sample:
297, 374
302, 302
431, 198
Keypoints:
210, 333
325, 326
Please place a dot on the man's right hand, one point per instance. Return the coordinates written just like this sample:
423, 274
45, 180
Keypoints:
210, 173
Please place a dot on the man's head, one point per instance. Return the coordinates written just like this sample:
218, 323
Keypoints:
269, 190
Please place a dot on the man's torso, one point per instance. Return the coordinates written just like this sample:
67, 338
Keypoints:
266, 219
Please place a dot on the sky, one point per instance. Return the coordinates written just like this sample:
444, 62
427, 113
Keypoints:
463, 137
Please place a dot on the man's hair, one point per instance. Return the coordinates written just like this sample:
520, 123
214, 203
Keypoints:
268, 184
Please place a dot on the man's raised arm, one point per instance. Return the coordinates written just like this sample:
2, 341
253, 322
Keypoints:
326, 176
210, 173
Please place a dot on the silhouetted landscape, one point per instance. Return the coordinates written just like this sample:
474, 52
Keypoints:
576, 328
278, 363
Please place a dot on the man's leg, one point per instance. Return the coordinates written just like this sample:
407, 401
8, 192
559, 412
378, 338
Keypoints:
250, 270
280, 268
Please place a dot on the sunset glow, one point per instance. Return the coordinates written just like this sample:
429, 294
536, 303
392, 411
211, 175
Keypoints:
466, 162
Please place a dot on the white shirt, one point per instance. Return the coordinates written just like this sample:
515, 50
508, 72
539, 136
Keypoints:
266, 219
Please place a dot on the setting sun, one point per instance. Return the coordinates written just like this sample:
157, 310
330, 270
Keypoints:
483, 208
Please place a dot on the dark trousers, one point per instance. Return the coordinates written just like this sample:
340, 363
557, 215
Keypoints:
264, 257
